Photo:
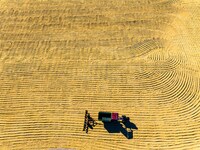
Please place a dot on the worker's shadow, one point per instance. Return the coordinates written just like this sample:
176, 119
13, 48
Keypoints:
126, 128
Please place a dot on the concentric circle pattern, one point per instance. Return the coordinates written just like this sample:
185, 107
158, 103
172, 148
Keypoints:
140, 58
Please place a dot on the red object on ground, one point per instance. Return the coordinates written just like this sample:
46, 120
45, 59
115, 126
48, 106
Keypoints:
115, 116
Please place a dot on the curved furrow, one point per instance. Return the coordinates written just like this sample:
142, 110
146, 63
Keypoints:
139, 58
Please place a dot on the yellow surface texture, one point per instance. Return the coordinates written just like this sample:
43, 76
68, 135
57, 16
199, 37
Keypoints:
140, 58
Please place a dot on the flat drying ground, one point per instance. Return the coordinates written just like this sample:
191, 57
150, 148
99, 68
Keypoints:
140, 58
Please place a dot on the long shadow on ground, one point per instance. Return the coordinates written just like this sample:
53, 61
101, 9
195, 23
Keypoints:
126, 128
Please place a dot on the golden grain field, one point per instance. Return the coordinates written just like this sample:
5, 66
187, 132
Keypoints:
140, 58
